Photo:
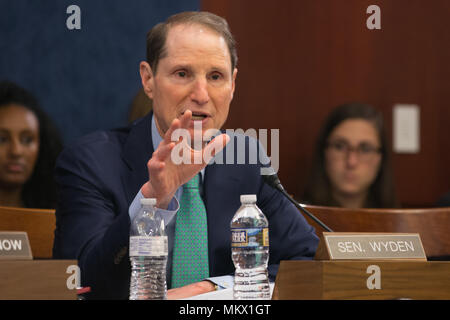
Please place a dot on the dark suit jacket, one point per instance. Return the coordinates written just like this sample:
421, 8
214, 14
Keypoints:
100, 175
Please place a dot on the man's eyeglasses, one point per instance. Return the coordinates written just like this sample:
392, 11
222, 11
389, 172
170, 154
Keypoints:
364, 151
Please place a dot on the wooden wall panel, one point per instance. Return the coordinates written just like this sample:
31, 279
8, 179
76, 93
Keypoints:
300, 59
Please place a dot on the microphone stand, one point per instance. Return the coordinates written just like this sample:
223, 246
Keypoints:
273, 181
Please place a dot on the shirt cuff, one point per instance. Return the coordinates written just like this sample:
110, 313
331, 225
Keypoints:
223, 282
166, 214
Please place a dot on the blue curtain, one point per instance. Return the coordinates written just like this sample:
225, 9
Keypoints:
84, 79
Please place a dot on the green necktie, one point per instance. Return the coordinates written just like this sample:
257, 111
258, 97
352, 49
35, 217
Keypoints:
190, 253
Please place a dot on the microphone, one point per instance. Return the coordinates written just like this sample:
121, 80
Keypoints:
273, 181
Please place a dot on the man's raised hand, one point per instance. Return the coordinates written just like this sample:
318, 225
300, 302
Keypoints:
166, 172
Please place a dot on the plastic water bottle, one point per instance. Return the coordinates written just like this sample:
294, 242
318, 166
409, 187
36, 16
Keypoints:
250, 251
148, 254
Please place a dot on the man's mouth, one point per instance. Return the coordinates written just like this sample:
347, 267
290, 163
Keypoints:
198, 116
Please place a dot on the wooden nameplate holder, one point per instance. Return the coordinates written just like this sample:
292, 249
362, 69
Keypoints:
364, 266
22, 278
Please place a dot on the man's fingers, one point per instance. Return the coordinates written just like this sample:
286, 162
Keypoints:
164, 151
220, 141
157, 162
176, 124
155, 165
185, 119
190, 290
215, 146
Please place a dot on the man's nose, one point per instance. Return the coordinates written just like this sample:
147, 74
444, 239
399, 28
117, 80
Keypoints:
199, 92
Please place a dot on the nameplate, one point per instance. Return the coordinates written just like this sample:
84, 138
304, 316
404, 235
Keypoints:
364, 246
14, 245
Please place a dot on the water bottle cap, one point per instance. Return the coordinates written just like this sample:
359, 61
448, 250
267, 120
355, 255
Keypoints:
148, 201
248, 198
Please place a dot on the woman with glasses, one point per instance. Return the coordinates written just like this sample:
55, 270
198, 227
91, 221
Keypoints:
352, 166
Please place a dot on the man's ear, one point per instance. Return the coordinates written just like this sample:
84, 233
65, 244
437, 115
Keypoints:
233, 84
146, 78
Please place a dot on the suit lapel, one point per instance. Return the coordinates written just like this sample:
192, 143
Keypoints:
137, 150
219, 184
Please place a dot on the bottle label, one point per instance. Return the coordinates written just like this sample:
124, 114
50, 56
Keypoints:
249, 237
148, 246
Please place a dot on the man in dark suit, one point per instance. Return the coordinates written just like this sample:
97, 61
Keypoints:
190, 75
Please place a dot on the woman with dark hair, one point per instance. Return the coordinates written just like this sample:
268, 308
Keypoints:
352, 162
29, 145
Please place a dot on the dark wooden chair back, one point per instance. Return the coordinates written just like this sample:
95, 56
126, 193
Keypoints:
38, 223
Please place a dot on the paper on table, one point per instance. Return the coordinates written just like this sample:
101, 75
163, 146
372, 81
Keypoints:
224, 294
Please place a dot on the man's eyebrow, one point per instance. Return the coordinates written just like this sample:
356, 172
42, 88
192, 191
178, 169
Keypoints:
180, 66
219, 68
187, 66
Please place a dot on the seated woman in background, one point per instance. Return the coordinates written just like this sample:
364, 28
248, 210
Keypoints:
29, 145
352, 166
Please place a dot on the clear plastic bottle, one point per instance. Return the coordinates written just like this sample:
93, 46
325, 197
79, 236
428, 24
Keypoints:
250, 251
148, 254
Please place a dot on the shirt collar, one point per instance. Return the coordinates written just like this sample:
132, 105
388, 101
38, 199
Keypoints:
156, 138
